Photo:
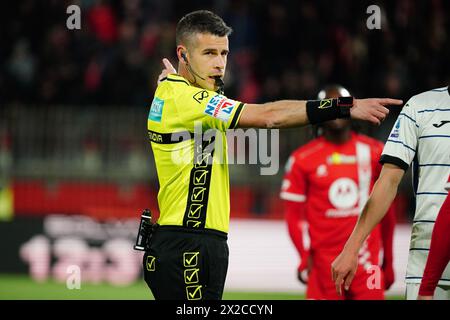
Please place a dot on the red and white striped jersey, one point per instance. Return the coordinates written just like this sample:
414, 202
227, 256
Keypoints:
334, 181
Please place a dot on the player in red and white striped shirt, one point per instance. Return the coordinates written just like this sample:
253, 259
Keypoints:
326, 185
439, 254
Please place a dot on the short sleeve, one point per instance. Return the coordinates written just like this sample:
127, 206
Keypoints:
294, 183
400, 147
213, 110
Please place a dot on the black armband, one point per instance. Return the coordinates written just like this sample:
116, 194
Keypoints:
328, 109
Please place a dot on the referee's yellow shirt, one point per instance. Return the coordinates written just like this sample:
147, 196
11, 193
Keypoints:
191, 159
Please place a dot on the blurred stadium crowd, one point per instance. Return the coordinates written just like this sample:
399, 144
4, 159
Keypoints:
279, 49
74, 103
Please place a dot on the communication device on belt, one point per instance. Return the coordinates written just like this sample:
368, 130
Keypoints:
145, 230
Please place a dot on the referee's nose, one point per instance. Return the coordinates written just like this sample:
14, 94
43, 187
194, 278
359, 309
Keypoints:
220, 62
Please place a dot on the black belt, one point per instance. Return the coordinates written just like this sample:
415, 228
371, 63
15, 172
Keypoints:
213, 232
169, 138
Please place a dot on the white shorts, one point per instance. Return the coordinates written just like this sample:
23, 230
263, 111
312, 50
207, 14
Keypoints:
441, 292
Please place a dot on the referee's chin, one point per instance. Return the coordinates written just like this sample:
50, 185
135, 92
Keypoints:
206, 85
210, 84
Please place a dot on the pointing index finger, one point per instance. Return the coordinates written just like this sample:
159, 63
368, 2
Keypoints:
389, 101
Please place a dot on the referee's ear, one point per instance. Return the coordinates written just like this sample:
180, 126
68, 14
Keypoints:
181, 54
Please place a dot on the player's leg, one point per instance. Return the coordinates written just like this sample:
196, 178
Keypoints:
367, 285
320, 284
163, 270
412, 291
175, 267
313, 290
186, 265
442, 293
216, 266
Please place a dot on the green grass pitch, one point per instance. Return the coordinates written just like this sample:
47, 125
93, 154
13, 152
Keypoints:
13, 287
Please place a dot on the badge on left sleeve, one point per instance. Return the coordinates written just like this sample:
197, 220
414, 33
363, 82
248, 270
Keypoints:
156, 110
220, 107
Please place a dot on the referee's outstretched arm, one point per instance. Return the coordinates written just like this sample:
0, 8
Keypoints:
293, 113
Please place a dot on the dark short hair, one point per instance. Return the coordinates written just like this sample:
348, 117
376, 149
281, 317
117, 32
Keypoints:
201, 21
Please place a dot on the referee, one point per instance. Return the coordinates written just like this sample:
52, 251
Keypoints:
187, 258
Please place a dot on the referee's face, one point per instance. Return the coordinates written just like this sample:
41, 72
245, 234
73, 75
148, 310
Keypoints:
208, 58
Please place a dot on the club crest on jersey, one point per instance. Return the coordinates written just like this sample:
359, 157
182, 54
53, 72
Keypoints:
220, 107
395, 132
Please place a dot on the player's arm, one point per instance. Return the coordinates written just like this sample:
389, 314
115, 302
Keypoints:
294, 214
387, 236
387, 228
294, 193
293, 113
295, 219
344, 266
439, 254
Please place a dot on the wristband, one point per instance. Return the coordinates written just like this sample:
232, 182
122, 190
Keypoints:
328, 109
344, 104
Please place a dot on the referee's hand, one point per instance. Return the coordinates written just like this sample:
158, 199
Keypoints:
372, 110
168, 69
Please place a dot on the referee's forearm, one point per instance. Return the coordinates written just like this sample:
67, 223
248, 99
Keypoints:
286, 114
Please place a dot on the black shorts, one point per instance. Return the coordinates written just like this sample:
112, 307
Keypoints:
186, 264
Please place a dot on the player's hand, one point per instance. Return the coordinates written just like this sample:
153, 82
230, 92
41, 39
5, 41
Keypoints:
168, 69
303, 269
343, 270
373, 110
419, 297
388, 273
